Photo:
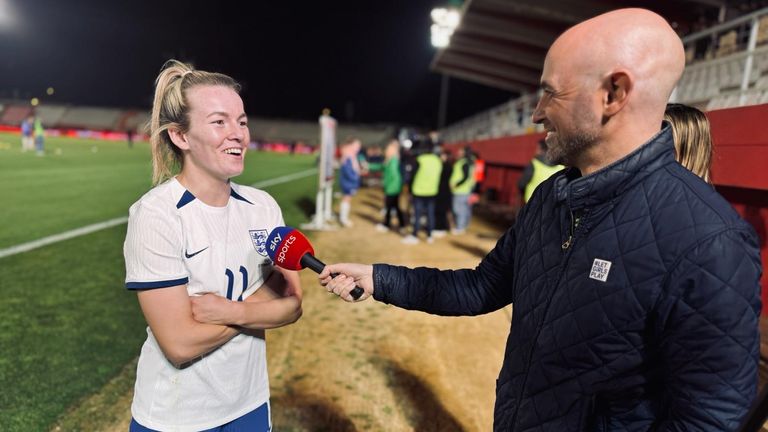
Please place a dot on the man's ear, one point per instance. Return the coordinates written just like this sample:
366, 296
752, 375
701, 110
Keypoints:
618, 88
178, 138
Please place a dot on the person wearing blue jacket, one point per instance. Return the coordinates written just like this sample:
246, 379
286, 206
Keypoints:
635, 285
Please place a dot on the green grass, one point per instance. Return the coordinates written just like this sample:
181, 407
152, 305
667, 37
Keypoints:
46, 195
68, 326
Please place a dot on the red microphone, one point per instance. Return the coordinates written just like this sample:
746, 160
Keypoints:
288, 248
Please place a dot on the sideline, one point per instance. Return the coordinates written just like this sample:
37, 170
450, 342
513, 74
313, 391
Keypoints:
77, 232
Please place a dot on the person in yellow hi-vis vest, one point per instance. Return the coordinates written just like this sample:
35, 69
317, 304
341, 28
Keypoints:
424, 188
462, 183
536, 172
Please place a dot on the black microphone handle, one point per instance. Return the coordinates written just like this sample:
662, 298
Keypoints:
314, 264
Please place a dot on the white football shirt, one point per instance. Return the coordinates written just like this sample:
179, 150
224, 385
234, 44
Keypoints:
175, 239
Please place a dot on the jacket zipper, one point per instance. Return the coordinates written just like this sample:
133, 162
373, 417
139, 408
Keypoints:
574, 224
568, 243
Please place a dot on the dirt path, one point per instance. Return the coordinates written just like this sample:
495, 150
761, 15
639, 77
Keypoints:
370, 366
374, 367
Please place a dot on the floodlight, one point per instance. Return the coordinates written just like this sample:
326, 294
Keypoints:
445, 22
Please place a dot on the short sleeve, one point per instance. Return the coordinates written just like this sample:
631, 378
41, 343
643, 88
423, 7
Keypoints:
276, 211
153, 249
273, 215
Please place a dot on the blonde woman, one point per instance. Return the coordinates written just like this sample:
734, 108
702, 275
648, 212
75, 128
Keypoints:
195, 254
693, 140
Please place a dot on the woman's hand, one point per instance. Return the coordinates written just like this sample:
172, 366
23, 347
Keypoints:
213, 309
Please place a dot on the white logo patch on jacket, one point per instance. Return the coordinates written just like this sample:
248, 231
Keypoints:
600, 269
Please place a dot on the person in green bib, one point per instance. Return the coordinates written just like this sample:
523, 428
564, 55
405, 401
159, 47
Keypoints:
426, 183
536, 172
392, 181
462, 183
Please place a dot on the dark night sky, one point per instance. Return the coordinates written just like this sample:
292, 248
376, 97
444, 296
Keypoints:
293, 58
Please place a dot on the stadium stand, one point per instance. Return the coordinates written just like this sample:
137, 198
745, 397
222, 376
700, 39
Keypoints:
132, 120
14, 114
90, 118
115, 122
51, 114
307, 132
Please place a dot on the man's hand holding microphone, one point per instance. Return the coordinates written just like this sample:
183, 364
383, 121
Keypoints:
288, 248
349, 276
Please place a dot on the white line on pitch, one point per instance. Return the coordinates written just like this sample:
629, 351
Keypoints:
77, 232
285, 179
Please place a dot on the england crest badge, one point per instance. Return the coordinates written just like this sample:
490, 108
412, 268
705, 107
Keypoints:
259, 239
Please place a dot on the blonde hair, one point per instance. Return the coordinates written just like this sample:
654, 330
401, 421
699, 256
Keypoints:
170, 109
693, 140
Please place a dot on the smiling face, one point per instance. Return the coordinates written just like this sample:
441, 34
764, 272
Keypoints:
215, 144
568, 111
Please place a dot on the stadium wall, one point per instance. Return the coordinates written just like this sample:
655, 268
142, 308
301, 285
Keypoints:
739, 168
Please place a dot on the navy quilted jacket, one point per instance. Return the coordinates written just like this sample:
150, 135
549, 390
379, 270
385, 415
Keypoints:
636, 302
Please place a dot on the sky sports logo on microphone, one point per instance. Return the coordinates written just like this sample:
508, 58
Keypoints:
274, 242
286, 246
284, 250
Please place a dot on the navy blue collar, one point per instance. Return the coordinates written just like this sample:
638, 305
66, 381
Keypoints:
237, 196
611, 181
185, 199
188, 197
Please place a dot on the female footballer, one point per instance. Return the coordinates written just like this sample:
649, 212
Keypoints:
195, 254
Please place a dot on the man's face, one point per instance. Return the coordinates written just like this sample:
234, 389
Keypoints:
567, 110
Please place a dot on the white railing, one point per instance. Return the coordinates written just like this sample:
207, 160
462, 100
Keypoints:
727, 65
510, 118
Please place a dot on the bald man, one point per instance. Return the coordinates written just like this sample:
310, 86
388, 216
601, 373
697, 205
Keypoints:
635, 285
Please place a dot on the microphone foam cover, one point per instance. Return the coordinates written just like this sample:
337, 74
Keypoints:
286, 246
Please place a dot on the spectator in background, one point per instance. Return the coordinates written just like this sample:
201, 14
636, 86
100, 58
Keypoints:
393, 184
426, 182
444, 198
408, 169
407, 165
27, 140
462, 184
129, 137
362, 161
479, 178
39, 133
349, 177
434, 140
538, 170
693, 140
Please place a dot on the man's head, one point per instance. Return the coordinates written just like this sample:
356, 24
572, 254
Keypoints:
606, 82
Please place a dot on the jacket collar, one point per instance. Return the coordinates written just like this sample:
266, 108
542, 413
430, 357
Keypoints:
611, 181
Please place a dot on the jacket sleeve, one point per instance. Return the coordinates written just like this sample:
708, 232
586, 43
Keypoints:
708, 333
451, 292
